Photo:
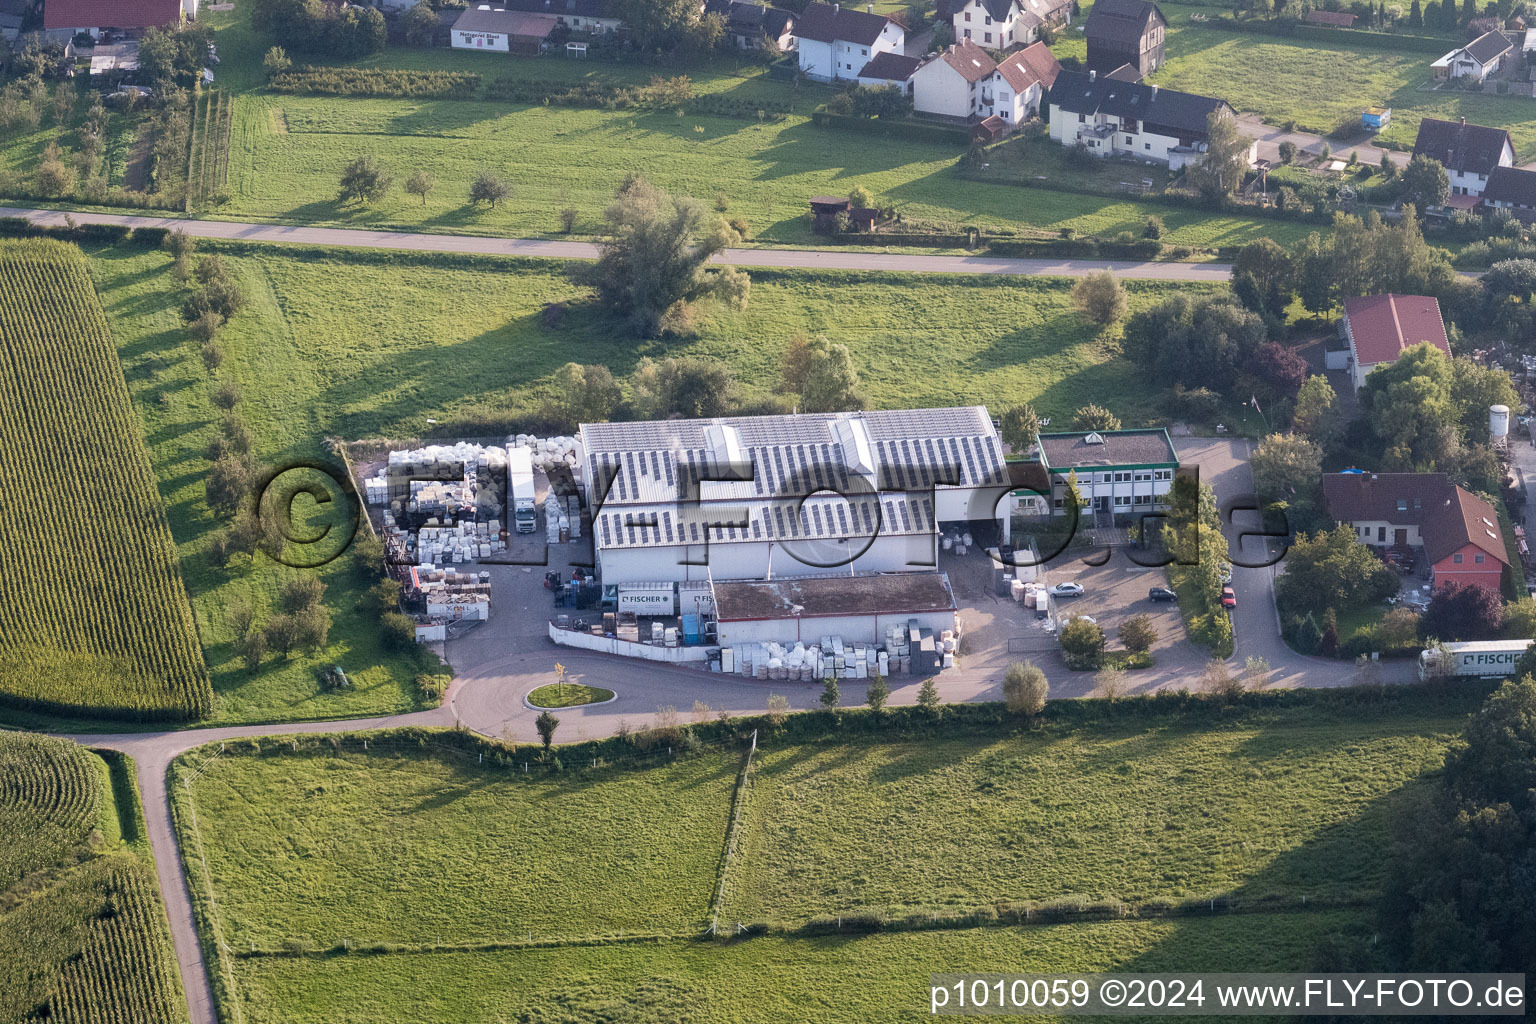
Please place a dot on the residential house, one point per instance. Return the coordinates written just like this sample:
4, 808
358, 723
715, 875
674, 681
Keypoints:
1469, 152
1125, 32
1022, 79
893, 69
1459, 532
956, 83
13, 14
836, 42
1001, 24
1476, 60
1120, 473
95, 16
501, 31
1379, 328
586, 17
1510, 188
1109, 117
755, 26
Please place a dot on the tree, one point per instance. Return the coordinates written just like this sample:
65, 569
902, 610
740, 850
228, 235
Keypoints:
1219, 680
1278, 371
877, 693
1317, 412
586, 394
312, 626
253, 648
1331, 569
1138, 634
1512, 279
276, 62
1100, 297
1455, 897
1256, 672
228, 483
1264, 277
831, 696
1082, 643
1416, 15
821, 375
1520, 619
54, 178
778, 709
397, 631
282, 633
1196, 342
1398, 630
928, 696
420, 24
489, 187
688, 386
1424, 182
420, 183
1025, 689
1095, 417
546, 723
1226, 157
1315, 285
1463, 611
1287, 467
364, 179
1019, 427
173, 58
1287, 152
301, 592
1110, 683
655, 254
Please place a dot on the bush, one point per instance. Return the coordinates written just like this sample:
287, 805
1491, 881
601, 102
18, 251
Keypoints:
384, 83
1025, 688
398, 631
1082, 644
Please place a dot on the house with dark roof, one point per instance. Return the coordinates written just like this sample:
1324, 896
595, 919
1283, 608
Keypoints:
1458, 531
1379, 328
1469, 152
1019, 84
835, 42
1125, 32
893, 69
754, 26
95, 16
588, 17
1002, 24
950, 85
1108, 117
497, 30
1512, 189
1478, 59
1120, 474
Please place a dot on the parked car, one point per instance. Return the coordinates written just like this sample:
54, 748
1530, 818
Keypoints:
1086, 618
1225, 572
1067, 590
1228, 598
1161, 594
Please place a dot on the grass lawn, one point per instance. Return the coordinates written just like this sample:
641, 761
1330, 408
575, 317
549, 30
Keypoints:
568, 696
420, 846
868, 979
1287, 805
1319, 84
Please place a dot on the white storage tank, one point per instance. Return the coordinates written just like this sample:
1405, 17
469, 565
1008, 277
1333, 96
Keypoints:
1498, 422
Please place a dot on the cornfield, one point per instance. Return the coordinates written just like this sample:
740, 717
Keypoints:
93, 614
84, 940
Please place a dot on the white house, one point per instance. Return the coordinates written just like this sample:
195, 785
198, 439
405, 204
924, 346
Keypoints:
956, 83
1002, 24
836, 42
1478, 59
1111, 117
1022, 79
1379, 328
589, 17
93, 16
1469, 152
1512, 189
754, 26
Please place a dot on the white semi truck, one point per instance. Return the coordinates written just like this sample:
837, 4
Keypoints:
1485, 658
520, 488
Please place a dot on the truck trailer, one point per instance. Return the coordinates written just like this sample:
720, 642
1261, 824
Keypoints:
1477, 658
520, 492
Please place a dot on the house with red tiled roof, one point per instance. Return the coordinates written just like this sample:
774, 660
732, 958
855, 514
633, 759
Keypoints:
1459, 531
1379, 328
1022, 79
95, 15
951, 84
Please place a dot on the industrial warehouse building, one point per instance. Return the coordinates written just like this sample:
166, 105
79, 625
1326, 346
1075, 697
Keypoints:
1121, 474
857, 608
757, 498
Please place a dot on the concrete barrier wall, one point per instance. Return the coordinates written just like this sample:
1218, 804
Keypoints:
626, 648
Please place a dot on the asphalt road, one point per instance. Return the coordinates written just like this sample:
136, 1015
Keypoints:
816, 259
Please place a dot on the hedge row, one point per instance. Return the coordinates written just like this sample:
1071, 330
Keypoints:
909, 130
380, 82
105, 234
606, 96
1079, 248
1342, 37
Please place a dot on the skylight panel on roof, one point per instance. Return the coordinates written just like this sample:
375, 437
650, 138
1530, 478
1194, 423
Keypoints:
666, 522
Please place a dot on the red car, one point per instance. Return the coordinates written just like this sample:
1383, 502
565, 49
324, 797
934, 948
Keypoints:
1228, 598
